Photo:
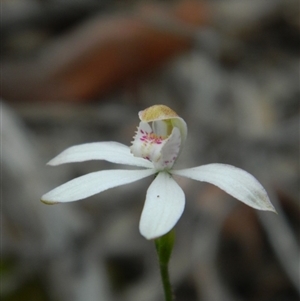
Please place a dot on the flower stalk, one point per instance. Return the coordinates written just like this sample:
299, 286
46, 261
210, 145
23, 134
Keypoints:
164, 246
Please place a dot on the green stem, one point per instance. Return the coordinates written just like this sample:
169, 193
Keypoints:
164, 246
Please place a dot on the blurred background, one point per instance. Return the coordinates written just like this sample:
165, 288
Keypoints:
79, 71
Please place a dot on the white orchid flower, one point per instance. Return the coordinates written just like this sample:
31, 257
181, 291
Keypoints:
158, 142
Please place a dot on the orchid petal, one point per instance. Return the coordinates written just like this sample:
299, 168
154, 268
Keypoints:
163, 207
142, 144
110, 151
93, 183
180, 123
169, 151
235, 181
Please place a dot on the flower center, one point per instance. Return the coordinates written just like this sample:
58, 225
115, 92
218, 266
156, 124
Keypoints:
160, 149
151, 138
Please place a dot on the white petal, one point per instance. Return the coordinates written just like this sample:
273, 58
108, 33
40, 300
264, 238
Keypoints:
141, 144
169, 151
163, 207
110, 151
180, 123
93, 183
235, 181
